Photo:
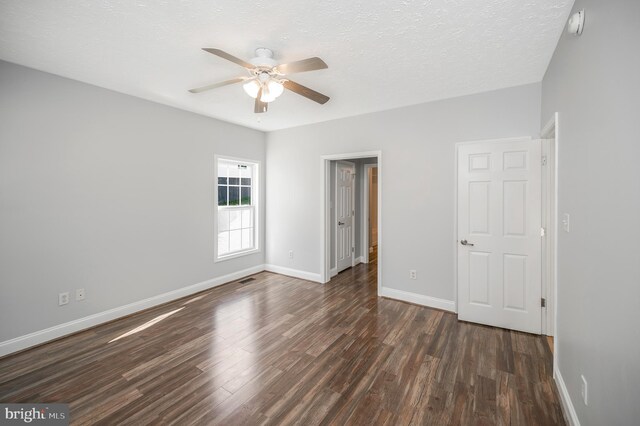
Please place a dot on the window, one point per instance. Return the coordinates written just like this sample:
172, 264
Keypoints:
237, 192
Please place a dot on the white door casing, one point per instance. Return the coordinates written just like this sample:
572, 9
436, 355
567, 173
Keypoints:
345, 213
548, 241
499, 218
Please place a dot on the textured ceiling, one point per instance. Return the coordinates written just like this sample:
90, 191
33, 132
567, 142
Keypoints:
381, 54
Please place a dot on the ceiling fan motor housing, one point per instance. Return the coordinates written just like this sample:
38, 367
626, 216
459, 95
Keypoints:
264, 58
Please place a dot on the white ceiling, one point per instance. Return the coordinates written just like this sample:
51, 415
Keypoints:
382, 54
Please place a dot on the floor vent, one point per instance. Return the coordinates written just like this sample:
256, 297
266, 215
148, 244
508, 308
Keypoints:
247, 280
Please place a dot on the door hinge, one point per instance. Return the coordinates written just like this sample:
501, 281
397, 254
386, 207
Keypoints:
543, 232
543, 302
544, 160
353, 249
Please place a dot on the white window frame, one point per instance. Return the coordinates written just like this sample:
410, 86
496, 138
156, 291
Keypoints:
255, 202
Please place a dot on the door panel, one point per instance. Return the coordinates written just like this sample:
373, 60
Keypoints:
479, 278
345, 181
515, 208
479, 207
499, 215
515, 273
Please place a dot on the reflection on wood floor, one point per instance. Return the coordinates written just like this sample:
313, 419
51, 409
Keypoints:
279, 350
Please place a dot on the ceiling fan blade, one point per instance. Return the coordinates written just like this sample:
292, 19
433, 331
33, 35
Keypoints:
310, 64
229, 57
306, 92
260, 106
215, 85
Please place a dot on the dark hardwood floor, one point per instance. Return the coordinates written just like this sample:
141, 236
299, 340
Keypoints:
279, 350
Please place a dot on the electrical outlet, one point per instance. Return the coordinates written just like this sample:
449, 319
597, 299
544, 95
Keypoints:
584, 391
413, 274
290, 254
63, 298
80, 294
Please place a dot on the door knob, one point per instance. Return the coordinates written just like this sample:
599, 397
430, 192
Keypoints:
340, 223
465, 243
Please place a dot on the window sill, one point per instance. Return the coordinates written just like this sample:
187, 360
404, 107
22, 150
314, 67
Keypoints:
236, 255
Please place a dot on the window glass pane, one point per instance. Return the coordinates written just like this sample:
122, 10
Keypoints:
247, 238
222, 181
234, 181
247, 172
235, 240
234, 195
223, 243
246, 195
246, 181
247, 218
222, 195
234, 219
223, 220
234, 171
222, 169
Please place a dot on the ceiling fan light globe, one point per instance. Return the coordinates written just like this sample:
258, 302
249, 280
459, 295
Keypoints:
251, 88
275, 88
267, 96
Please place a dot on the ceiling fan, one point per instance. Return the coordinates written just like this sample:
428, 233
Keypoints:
267, 80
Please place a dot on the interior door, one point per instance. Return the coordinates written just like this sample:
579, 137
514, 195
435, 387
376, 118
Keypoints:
373, 206
345, 213
499, 235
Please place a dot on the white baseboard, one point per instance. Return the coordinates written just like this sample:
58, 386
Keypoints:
418, 299
567, 405
42, 336
359, 260
304, 275
333, 272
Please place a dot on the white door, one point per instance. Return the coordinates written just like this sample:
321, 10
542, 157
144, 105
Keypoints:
345, 212
499, 241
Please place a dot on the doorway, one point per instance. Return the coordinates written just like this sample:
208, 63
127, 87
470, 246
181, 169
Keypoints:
334, 184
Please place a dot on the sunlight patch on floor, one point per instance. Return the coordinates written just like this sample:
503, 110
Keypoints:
146, 325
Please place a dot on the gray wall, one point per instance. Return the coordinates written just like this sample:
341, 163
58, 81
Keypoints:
593, 82
417, 180
103, 191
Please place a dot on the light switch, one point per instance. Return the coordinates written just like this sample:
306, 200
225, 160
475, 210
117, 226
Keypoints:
565, 222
